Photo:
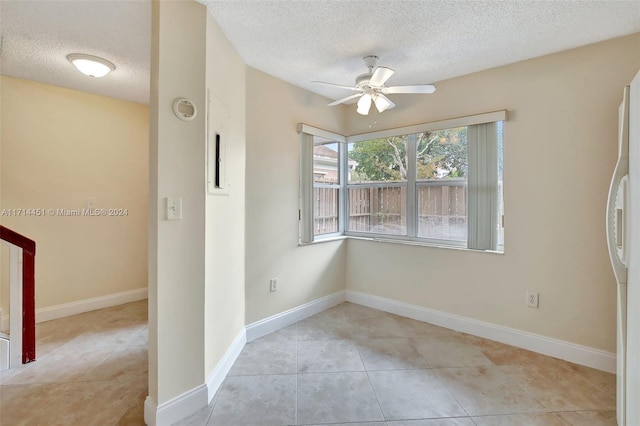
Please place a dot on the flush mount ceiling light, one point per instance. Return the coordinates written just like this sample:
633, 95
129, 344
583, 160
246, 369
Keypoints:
92, 66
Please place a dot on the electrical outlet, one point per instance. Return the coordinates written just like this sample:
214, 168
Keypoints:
273, 285
532, 299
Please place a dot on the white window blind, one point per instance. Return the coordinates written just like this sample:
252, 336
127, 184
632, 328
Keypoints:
482, 152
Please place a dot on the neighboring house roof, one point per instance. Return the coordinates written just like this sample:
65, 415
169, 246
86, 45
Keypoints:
324, 152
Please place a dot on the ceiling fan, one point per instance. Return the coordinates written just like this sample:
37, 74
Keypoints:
371, 88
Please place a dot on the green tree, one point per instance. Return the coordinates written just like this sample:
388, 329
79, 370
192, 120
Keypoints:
380, 159
441, 153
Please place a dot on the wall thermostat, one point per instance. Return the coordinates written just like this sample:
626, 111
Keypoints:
184, 109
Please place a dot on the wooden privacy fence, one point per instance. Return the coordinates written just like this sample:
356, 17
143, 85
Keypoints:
383, 209
325, 202
442, 211
380, 210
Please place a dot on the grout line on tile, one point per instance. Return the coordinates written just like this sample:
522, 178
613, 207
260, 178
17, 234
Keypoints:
371, 384
435, 370
565, 365
523, 388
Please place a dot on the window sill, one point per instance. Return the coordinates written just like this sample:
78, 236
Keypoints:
397, 241
420, 244
324, 240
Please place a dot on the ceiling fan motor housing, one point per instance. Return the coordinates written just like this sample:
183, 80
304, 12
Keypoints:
370, 61
362, 81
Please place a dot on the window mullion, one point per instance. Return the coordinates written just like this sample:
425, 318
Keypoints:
343, 170
411, 216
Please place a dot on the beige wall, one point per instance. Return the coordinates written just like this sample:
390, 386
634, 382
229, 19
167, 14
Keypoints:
196, 265
559, 151
272, 200
59, 147
176, 163
224, 273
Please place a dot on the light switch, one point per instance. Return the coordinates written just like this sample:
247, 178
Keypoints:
174, 208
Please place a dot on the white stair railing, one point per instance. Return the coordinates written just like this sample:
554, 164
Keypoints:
15, 312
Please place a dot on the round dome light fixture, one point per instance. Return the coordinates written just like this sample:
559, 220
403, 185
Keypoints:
92, 66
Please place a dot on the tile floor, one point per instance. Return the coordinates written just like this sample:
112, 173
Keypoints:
91, 369
358, 366
348, 365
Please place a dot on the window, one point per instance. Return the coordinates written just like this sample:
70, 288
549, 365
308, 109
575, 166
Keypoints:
441, 184
326, 186
321, 189
438, 183
377, 186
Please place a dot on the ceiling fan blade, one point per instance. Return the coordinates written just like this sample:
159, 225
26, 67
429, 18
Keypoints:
419, 88
343, 100
380, 75
383, 103
337, 86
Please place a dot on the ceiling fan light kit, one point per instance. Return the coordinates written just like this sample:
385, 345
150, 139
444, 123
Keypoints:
90, 65
383, 103
364, 104
371, 89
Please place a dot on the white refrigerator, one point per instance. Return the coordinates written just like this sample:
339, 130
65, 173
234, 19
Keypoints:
623, 236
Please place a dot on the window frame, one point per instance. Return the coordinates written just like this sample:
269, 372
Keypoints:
306, 211
338, 186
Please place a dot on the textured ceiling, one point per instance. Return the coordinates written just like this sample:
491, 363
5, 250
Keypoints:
37, 36
300, 41
423, 41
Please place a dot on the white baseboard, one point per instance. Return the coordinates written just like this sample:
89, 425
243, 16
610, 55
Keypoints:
82, 306
188, 403
176, 408
572, 352
281, 320
150, 407
219, 373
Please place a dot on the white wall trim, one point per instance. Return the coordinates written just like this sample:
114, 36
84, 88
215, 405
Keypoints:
189, 402
468, 120
219, 373
572, 352
150, 407
281, 320
82, 306
4, 323
86, 305
5, 352
176, 408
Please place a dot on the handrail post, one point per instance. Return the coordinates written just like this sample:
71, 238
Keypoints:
16, 329
28, 302
28, 308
